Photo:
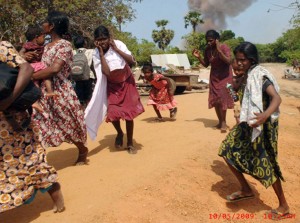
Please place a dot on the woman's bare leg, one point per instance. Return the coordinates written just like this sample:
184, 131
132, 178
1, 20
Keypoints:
57, 197
219, 125
129, 132
223, 119
283, 206
157, 112
117, 126
245, 187
119, 138
82, 153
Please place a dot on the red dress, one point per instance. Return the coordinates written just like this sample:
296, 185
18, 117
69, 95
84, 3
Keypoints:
220, 75
122, 96
159, 94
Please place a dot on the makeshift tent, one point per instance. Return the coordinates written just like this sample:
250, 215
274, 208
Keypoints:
162, 60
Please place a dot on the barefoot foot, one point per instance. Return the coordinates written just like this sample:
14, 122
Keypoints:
131, 149
82, 158
57, 197
218, 126
224, 127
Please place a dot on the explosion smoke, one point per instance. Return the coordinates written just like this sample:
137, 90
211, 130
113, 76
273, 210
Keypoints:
215, 12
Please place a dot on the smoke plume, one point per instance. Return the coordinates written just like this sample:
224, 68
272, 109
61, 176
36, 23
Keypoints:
215, 12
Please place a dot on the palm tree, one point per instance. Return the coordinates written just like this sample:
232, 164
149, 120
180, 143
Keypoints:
123, 13
164, 36
193, 18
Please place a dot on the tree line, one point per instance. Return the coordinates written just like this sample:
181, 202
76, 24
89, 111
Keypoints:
86, 15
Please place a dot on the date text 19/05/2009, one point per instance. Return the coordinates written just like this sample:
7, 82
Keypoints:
244, 216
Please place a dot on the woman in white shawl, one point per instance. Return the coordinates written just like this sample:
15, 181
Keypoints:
112, 62
251, 146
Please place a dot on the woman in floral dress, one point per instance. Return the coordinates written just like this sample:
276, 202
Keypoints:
63, 116
23, 166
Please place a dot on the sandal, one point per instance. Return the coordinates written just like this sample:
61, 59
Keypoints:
274, 214
238, 196
131, 150
173, 113
119, 141
158, 120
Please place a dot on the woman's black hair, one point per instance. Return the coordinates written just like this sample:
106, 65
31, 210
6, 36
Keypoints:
60, 21
249, 50
147, 67
79, 42
33, 31
212, 34
101, 31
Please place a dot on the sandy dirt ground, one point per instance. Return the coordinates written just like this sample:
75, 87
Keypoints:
175, 177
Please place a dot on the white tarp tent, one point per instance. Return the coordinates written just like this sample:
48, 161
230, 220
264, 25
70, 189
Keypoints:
175, 59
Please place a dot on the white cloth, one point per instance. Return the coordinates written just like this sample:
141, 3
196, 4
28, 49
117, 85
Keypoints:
252, 99
96, 110
113, 59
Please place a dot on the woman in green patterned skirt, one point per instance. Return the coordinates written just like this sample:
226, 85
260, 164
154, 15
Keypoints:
251, 146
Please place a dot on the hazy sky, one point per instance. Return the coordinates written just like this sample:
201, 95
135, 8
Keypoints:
255, 23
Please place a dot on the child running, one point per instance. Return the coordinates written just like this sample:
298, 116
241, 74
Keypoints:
35, 44
161, 95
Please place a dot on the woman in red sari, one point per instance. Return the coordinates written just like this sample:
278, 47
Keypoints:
218, 56
122, 96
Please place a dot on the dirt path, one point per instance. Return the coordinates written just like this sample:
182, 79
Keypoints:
175, 177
